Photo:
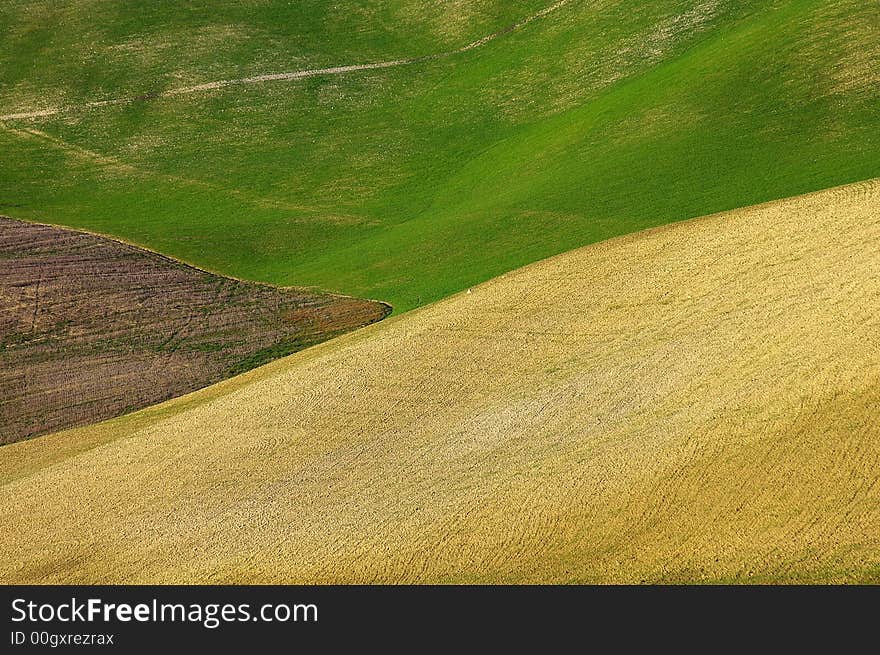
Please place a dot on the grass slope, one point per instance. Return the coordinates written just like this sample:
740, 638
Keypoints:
699, 402
91, 328
413, 182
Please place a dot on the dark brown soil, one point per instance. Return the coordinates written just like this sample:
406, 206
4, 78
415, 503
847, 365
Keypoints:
91, 328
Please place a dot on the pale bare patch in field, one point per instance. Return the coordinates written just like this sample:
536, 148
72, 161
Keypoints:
203, 39
147, 50
657, 42
588, 70
143, 145
858, 71
653, 122
695, 402
453, 22
843, 36
29, 94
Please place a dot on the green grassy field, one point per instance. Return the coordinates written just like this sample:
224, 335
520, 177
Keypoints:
694, 403
412, 182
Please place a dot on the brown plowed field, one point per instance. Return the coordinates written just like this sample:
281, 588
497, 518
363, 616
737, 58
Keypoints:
699, 402
91, 328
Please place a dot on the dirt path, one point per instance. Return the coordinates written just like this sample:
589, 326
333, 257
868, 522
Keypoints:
290, 75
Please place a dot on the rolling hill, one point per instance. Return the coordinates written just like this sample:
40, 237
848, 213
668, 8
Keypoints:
491, 134
697, 402
91, 328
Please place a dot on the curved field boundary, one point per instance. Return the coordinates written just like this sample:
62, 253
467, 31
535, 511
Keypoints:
290, 75
91, 328
699, 402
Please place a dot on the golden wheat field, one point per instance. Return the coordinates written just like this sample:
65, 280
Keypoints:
700, 402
